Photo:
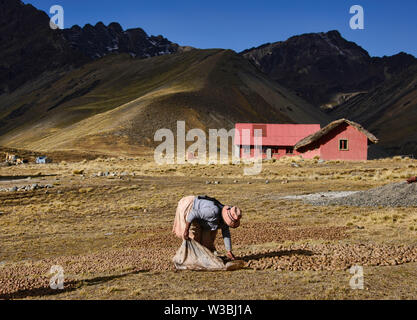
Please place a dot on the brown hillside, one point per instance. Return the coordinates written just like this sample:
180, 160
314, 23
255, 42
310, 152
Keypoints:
389, 111
117, 103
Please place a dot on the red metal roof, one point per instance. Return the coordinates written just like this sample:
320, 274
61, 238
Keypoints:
275, 135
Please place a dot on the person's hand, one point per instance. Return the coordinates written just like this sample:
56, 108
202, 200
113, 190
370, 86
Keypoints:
186, 235
412, 180
230, 255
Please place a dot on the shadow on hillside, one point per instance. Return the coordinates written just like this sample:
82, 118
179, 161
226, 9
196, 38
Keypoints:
259, 256
68, 287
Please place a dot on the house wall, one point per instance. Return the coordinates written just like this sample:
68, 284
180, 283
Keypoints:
274, 134
357, 144
278, 136
310, 154
327, 148
282, 152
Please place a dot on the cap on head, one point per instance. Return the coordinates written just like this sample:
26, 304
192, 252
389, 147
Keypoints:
232, 216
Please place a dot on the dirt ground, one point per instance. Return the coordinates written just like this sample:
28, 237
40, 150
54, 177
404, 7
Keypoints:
107, 222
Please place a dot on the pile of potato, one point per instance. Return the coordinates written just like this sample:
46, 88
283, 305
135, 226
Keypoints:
330, 257
32, 278
155, 250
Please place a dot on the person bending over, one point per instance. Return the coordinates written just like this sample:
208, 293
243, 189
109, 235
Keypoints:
201, 217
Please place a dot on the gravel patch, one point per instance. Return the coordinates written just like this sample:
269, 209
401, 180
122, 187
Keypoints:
392, 195
320, 195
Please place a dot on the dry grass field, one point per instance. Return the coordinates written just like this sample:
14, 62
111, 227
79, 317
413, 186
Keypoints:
112, 233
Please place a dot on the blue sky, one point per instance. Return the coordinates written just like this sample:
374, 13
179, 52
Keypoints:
390, 26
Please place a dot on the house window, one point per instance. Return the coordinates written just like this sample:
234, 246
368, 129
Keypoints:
246, 149
343, 145
289, 150
260, 127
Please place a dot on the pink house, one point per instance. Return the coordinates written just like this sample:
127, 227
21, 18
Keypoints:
280, 139
340, 140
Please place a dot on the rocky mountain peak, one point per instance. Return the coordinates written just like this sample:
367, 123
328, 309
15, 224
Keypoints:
29, 47
324, 67
100, 40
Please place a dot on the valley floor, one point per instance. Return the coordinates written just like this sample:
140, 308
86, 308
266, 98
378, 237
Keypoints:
107, 222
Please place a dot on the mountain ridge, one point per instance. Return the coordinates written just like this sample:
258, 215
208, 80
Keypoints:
29, 47
102, 87
321, 67
99, 40
121, 101
390, 111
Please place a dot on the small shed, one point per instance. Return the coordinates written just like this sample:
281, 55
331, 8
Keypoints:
43, 160
340, 140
